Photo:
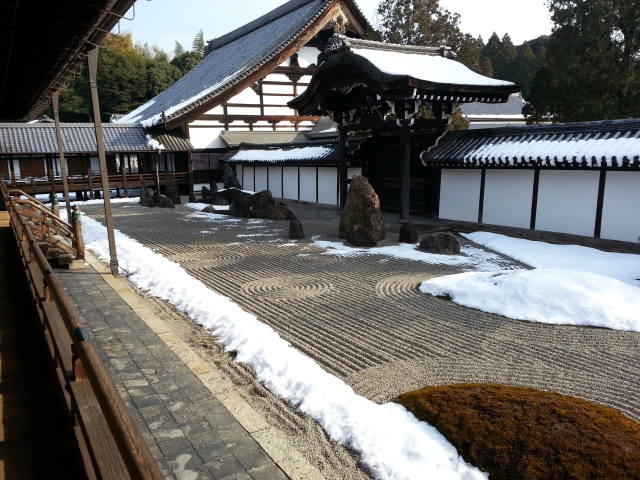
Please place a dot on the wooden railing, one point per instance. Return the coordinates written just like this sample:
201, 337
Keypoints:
109, 442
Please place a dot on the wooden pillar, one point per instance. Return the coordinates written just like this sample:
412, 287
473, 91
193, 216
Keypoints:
157, 173
12, 168
405, 169
63, 165
123, 169
53, 196
92, 58
343, 170
90, 183
77, 231
192, 193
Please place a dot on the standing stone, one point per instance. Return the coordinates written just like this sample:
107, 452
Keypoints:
231, 194
172, 193
229, 177
144, 194
262, 200
295, 229
408, 233
240, 207
440, 243
361, 237
362, 209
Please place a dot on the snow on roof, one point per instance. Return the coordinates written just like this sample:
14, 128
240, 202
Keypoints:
427, 67
594, 144
511, 108
280, 154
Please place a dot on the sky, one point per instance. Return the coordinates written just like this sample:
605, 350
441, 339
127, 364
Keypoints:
162, 22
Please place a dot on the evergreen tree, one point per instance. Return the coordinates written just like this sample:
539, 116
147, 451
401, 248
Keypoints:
160, 76
198, 43
592, 67
470, 53
178, 49
186, 61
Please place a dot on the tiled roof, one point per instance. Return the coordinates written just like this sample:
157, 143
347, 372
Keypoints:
613, 143
231, 58
307, 154
511, 108
234, 139
40, 138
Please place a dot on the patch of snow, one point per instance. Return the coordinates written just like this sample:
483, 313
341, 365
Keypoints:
473, 258
391, 442
136, 115
426, 67
281, 155
257, 235
154, 144
547, 295
621, 266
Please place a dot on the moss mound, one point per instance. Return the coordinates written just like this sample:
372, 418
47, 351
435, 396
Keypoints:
523, 433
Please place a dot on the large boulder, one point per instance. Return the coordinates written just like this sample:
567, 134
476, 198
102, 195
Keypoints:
173, 195
262, 200
145, 198
229, 177
362, 209
161, 201
408, 233
230, 194
361, 237
441, 243
295, 229
273, 213
240, 207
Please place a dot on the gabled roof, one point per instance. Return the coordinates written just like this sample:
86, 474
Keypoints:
612, 143
319, 153
395, 72
512, 108
40, 138
237, 56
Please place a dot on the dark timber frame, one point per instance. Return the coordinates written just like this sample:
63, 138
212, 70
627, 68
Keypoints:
360, 97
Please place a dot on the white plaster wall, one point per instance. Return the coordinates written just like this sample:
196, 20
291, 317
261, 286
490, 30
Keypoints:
260, 179
567, 201
239, 175
460, 194
95, 164
308, 184
275, 181
290, 183
508, 195
307, 56
16, 168
621, 207
206, 138
328, 185
248, 174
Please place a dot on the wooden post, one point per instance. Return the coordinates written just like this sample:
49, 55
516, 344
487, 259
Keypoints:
405, 169
12, 168
123, 168
157, 174
343, 171
63, 164
90, 180
92, 59
77, 231
53, 196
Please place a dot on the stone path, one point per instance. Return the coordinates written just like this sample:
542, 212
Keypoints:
362, 318
190, 433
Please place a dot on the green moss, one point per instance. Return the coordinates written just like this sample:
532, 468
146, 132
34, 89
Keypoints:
522, 433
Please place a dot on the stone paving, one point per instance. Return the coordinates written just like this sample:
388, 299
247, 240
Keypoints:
190, 433
362, 318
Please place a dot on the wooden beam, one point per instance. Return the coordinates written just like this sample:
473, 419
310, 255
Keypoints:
256, 118
260, 72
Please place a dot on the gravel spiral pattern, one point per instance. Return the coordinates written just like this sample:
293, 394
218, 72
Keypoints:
362, 318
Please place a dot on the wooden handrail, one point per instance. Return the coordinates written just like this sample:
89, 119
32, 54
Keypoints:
54, 305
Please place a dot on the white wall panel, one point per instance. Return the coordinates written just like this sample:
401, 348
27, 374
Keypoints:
248, 175
275, 181
16, 168
95, 164
460, 194
621, 207
308, 184
239, 175
328, 185
260, 179
508, 195
290, 183
206, 138
567, 201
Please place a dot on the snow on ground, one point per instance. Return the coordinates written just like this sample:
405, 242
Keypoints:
573, 285
392, 443
547, 295
473, 258
621, 266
